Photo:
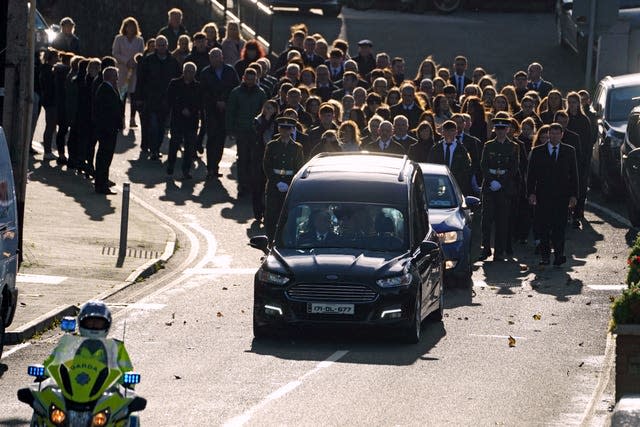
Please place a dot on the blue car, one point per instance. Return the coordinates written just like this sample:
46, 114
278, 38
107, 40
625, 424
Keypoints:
450, 216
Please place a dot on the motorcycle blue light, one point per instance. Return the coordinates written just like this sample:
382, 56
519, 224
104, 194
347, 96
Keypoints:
131, 378
68, 324
35, 371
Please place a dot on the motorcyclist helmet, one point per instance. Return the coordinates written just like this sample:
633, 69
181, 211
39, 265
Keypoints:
94, 319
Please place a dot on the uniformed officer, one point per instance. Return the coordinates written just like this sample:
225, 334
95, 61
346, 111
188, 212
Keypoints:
282, 159
499, 166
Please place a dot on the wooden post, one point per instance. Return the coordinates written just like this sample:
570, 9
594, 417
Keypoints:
18, 100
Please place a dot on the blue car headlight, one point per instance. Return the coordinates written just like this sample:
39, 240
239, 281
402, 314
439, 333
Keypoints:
272, 278
450, 236
395, 281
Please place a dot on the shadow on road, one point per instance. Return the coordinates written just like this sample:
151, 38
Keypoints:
96, 206
365, 346
13, 422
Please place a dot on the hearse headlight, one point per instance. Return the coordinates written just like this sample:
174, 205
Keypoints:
395, 281
272, 278
450, 236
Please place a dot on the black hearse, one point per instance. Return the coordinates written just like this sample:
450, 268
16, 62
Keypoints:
353, 246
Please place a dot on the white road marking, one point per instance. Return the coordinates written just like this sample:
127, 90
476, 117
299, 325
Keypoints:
285, 389
218, 271
40, 278
607, 287
603, 380
212, 245
497, 336
14, 349
610, 213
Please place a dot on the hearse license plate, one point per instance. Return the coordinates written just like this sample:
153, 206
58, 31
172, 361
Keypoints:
315, 308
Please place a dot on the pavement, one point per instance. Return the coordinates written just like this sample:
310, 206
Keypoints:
70, 247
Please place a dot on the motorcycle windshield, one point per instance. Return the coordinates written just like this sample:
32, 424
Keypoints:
85, 367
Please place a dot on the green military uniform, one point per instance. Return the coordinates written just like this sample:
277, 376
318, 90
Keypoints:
499, 164
282, 159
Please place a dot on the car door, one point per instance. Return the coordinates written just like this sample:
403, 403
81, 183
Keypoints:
8, 219
419, 233
598, 105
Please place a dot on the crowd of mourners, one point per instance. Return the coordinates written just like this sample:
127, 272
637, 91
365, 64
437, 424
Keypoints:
317, 98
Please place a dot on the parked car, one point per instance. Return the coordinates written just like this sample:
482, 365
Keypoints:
451, 217
613, 99
379, 263
8, 241
572, 26
330, 8
630, 166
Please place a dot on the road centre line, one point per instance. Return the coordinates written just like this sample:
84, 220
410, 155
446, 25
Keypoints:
212, 245
497, 336
40, 279
243, 418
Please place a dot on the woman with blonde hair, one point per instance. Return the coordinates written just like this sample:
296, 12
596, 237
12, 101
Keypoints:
550, 105
211, 31
426, 70
182, 49
232, 44
125, 46
349, 136
510, 92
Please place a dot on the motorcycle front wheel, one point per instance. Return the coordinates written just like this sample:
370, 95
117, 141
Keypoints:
447, 6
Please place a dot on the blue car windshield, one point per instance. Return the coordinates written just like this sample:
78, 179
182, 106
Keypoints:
344, 225
628, 4
621, 102
440, 192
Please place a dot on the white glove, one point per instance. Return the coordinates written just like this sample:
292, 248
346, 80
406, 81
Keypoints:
495, 185
282, 187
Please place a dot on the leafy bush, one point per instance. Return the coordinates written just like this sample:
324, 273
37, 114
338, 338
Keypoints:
633, 275
626, 308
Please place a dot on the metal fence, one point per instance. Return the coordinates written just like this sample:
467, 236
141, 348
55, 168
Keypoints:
254, 17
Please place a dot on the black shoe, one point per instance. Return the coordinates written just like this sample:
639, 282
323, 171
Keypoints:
155, 156
544, 261
105, 191
61, 160
576, 224
484, 255
200, 150
32, 151
559, 260
257, 217
187, 176
111, 183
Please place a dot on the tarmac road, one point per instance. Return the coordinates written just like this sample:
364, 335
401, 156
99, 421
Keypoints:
188, 330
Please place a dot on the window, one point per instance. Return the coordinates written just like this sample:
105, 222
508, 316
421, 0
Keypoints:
344, 225
633, 130
621, 102
6, 199
440, 193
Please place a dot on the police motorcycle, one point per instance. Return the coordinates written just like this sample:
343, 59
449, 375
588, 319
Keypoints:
87, 381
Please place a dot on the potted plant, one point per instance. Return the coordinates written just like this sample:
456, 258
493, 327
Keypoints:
625, 323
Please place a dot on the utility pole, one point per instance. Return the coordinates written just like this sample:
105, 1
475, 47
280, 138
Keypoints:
18, 99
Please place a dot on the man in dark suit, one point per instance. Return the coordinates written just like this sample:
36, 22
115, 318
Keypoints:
294, 96
407, 106
349, 83
385, 142
335, 64
552, 186
568, 137
217, 81
174, 28
536, 82
109, 115
458, 78
309, 56
320, 233
401, 133
454, 155
327, 116
365, 59
473, 146
324, 86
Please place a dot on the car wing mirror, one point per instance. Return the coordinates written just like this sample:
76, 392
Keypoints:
471, 202
260, 242
429, 247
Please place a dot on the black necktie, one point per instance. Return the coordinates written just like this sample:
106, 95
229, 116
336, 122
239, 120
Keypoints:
447, 154
554, 153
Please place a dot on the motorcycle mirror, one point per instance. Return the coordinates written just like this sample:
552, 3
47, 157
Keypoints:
131, 378
68, 324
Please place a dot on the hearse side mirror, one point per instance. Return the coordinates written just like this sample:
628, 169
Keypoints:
260, 242
429, 247
471, 202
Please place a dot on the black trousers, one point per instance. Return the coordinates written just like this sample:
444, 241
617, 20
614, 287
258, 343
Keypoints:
106, 148
583, 180
61, 137
258, 179
550, 222
182, 135
50, 117
273, 202
495, 210
245, 144
216, 134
